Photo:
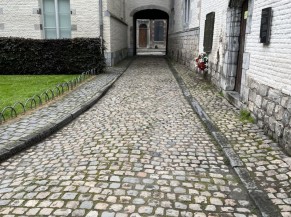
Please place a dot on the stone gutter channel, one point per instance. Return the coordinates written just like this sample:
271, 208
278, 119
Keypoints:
60, 118
259, 196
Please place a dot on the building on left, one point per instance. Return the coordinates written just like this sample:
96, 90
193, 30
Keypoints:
57, 19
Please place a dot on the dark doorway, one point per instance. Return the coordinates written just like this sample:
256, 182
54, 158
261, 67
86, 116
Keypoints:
149, 14
242, 37
143, 39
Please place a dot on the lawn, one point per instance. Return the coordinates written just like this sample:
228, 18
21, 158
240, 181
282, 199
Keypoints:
15, 88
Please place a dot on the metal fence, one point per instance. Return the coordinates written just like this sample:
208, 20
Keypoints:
18, 108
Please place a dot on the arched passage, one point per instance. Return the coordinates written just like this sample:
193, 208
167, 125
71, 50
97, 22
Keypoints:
151, 16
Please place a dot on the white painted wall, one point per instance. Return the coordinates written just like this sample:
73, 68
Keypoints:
177, 17
220, 9
118, 35
271, 64
19, 20
86, 18
177, 23
115, 29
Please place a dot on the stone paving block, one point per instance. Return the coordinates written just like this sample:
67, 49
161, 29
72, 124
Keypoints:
140, 151
246, 139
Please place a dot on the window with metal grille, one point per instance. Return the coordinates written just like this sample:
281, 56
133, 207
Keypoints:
159, 31
208, 32
57, 19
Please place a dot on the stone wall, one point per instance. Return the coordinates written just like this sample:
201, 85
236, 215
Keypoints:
230, 60
266, 73
272, 110
183, 47
271, 63
268, 90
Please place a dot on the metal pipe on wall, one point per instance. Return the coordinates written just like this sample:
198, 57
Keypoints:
101, 22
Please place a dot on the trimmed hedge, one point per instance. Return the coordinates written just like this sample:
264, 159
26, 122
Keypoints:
21, 56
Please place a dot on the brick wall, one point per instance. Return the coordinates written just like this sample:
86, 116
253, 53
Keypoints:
19, 19
266, 77
274, 69
85, 18
269, 72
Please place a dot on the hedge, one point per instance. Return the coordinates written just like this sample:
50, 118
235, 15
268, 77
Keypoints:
61, 56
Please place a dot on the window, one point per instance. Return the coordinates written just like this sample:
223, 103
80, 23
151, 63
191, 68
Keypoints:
186, 11
57, 19
208, 32
159, 31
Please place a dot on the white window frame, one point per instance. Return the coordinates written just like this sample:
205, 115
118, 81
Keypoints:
56, 2
187, 4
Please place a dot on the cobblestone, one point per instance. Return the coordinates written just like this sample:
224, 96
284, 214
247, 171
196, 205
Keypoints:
143, 136
17, 130
264, 159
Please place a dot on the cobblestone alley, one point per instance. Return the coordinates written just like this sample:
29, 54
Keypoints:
140, 151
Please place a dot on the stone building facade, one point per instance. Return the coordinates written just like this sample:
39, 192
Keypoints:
151, 33
267, 68
26, 18
253, 75
184, 31
111, 19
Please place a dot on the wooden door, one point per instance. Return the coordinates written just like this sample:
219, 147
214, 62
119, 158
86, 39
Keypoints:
143, 35
242, 37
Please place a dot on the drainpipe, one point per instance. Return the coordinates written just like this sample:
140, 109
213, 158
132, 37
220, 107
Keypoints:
101, 22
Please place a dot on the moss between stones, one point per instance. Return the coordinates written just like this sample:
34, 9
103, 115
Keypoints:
245, 116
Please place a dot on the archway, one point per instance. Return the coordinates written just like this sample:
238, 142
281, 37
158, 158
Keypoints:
151, 16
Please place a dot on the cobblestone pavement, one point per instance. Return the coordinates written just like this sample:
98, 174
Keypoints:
264, 159
26, 125
140, 151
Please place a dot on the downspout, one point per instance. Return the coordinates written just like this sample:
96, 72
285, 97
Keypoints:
101, 23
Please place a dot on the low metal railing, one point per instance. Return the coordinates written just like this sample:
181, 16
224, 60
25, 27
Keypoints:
18, 108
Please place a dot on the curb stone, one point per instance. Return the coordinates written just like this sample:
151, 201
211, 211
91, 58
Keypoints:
260, 198
23, 143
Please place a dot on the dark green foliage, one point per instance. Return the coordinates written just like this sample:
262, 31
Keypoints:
65, 56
